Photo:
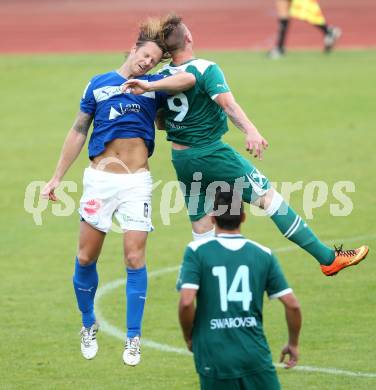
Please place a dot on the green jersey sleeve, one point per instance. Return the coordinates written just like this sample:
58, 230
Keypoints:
277, 285
189, 275
214, 81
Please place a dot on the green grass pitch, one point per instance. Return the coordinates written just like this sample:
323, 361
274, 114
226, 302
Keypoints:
318, 115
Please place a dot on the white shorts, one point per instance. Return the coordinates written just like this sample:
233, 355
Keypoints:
125, 196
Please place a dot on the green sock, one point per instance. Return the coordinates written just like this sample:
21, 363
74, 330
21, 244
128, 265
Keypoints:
296, 230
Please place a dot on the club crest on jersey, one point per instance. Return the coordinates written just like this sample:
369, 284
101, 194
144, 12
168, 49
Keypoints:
122, 110
258, 181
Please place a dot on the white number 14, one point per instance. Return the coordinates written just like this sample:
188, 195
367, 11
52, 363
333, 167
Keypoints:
241, 279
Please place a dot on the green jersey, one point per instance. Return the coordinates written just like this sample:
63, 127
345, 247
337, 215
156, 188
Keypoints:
192, 117
231, 274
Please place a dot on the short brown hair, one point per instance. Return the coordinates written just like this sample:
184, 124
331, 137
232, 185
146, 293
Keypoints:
151, 31
172, 31
231, 218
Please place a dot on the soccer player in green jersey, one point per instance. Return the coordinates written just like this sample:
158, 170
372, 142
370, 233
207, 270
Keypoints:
227, 275
195, 121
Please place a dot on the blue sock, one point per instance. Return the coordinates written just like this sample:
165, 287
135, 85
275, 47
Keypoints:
85, 282
137, 283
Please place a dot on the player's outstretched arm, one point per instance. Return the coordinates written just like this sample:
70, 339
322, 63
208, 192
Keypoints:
173, 84
72, 146
294, 323
187, 313
255, 142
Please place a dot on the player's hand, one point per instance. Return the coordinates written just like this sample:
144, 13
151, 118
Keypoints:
48, 191
292, 353
256, 144
137, 87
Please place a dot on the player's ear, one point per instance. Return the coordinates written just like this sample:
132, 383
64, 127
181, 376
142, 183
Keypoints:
213, 220
242, 217
188, 37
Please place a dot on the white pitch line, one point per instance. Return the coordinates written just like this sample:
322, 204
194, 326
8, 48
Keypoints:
332, 371
115, 332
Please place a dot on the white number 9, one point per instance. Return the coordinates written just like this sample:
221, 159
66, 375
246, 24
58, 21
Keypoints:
181, 108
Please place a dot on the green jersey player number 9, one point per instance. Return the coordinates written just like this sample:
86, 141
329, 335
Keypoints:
181, 108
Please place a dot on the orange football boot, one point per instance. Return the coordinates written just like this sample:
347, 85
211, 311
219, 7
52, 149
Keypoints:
345, 259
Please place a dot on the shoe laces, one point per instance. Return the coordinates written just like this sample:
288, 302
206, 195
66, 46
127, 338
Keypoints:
87, 335
133, 346
340, 252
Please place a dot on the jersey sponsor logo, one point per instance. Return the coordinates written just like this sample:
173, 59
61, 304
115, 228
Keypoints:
173, 125
235, 322
122, 110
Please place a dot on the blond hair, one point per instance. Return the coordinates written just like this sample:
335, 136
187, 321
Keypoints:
151, 31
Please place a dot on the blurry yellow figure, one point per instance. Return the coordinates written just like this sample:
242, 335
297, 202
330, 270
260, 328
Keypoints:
307, 10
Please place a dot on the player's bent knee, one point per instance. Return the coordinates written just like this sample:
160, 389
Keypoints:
134, 259
271, 202
84, 259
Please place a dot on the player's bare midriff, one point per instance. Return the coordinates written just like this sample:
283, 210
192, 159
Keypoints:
179, 147
129, 155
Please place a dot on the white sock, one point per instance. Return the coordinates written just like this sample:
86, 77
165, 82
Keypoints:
200, 236
275, 204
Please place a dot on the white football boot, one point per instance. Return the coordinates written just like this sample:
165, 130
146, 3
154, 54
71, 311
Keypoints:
331, 38
132, 351
276, 53
89, 345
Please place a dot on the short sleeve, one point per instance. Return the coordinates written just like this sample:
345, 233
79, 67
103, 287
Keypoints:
276, 285
189, 274
214, 81
88, 103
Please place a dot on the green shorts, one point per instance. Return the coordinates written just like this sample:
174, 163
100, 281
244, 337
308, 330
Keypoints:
263, 380
202, 170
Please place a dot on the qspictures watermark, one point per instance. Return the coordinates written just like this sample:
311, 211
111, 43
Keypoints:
315, 195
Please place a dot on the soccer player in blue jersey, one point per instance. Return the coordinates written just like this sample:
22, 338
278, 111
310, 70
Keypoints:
118, 182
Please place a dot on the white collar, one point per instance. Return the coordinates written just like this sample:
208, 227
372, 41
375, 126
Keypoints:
229, 235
